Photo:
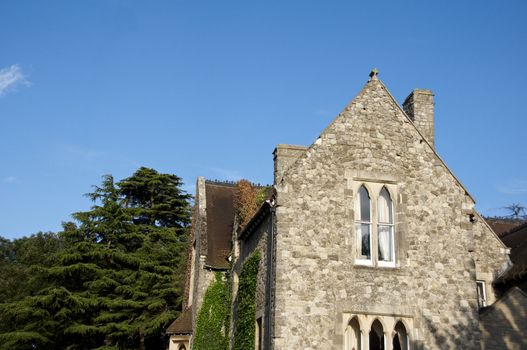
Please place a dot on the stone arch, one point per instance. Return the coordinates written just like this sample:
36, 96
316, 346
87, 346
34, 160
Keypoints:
353, 334
369, 192
376, 336
400, 338
364, 217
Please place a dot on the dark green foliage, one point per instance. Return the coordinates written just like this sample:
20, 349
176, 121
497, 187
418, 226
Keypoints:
19, 261
116, 283
244, 331
212, 325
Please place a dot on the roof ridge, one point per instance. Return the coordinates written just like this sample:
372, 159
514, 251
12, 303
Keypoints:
232, 183
515, 229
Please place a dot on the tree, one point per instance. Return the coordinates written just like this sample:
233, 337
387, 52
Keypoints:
116, 284
516, 211
20, 258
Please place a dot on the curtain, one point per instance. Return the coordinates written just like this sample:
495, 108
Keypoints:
363, 235
385, 243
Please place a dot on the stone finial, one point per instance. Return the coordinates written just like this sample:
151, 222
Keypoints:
373, 74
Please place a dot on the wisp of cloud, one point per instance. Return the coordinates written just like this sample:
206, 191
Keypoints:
10, 78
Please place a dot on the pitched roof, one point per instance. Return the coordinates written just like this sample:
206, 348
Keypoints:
379, 86
516, 239
220, 222
182, 324
502, 226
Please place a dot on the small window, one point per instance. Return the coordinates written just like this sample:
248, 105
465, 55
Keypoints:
482, 296
363, 224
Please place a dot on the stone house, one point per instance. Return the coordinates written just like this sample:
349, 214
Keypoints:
368, 241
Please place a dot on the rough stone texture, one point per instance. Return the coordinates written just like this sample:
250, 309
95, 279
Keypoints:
504, 324
284, 157
440, 247
200, 278
419, 107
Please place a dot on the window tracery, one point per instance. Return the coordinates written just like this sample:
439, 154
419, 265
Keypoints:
375, 226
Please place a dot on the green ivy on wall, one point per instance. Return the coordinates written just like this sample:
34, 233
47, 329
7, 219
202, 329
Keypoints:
212, 325
244, 332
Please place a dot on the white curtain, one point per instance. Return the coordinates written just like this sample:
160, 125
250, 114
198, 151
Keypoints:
385, 227
385, 243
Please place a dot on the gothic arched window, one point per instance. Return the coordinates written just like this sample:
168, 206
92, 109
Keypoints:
353, 339
363, 224
385, 228
376, 336
400, 339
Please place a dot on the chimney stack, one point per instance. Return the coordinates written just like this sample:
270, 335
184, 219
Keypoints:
284, 157
419, 106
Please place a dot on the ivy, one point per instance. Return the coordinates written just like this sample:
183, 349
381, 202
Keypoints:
244, 331
212, 325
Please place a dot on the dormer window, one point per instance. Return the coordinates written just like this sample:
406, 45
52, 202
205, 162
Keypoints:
374, 226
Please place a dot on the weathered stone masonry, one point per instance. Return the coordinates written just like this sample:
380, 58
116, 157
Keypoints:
439, 250
314, 289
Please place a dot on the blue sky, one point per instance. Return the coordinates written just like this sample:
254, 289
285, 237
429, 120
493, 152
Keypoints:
208, 88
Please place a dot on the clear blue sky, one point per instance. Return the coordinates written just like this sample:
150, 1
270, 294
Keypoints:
208, 88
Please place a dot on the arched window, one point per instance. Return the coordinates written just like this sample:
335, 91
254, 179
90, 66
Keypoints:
353, 335
376, 336
385, 228
400, 339
363, 223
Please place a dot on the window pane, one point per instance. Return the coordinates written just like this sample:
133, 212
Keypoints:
363, 234
385, 243
385, 207
480, 285
364, 199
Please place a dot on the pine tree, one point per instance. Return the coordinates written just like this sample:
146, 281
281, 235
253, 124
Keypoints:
116, 284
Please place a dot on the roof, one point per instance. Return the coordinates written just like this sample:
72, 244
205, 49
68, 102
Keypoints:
220, 222
182, 324
511, 293
516, 240
502, 226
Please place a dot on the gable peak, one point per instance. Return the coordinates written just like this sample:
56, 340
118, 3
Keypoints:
373, 74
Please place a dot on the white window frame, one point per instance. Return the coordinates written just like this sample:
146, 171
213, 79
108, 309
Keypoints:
374, 189
384, 263
482, 300
358, 237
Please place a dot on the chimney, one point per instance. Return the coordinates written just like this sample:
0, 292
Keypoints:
419, 106
284, 157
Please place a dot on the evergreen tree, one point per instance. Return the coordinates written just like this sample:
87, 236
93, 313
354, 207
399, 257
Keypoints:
18, 260
116, 284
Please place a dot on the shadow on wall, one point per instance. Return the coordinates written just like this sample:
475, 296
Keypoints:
502, 325
455, 336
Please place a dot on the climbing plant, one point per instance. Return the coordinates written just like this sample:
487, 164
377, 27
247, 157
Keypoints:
212, 325
247, 199
244, 331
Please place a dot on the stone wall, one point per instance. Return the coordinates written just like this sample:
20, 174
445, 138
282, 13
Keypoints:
284, 157
438, 242
201, 277
419, 107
